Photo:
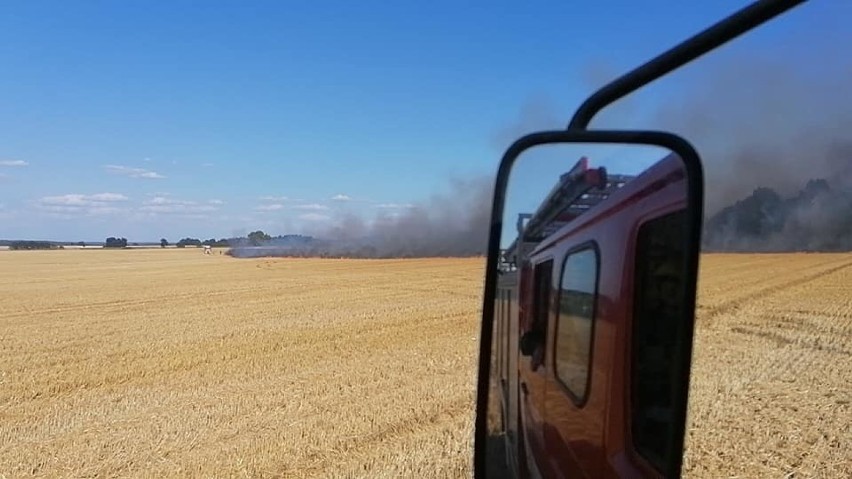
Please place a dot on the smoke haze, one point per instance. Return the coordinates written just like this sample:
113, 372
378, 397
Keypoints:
453, 224
816, 219
777, 148
450, 224
767, 133
764, 124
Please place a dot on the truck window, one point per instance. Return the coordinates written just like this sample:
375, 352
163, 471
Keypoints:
657, 319
541, 309
577, 294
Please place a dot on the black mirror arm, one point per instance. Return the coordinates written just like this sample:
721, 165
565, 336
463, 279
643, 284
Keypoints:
720, 33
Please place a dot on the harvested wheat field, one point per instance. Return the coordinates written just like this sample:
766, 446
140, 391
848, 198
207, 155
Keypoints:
153, 363
772, 370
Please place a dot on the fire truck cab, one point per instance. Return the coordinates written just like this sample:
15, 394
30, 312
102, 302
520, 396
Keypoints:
587, 315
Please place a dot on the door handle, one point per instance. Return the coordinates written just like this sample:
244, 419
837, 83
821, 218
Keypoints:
524, 388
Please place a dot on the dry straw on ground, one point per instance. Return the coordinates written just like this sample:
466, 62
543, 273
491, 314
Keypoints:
772, 367
170, 363
165, 363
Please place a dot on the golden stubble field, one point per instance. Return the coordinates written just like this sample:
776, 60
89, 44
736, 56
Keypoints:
174, 363
154, 363
772, 367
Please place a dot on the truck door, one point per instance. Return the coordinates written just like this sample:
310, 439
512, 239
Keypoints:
662, 332
531, 365
574, 426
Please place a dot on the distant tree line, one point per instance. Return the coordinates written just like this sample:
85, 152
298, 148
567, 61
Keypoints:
255, 238
113, 242
188, 242
31, 245
183, 243
815, 219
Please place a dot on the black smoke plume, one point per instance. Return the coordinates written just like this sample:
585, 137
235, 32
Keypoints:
766, 126
775, 138
776, 141
454, 224
816, 219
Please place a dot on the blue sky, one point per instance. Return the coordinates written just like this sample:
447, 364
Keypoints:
152, 119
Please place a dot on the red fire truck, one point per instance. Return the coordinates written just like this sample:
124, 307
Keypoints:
593, 272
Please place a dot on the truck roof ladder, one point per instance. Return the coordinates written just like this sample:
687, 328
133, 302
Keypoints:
576, 192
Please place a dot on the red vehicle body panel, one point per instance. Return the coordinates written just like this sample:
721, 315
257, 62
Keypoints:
555, 435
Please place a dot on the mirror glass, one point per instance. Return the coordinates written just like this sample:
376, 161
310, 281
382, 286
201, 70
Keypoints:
592, 322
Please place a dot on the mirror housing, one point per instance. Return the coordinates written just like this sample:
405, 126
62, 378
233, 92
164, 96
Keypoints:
535, 281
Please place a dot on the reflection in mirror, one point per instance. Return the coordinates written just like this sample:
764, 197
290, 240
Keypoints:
592, 316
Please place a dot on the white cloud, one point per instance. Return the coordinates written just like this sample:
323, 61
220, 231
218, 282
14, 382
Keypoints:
133, 172
311, 206
394, 205
108, 197
77, 200
164, 205
103, 210
341, 198
270, 207
158, 200
314, 217
77, 204
13, 163
178, 209
274, 198
216, 202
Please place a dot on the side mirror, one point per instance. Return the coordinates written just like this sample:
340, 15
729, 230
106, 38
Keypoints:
596, 236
